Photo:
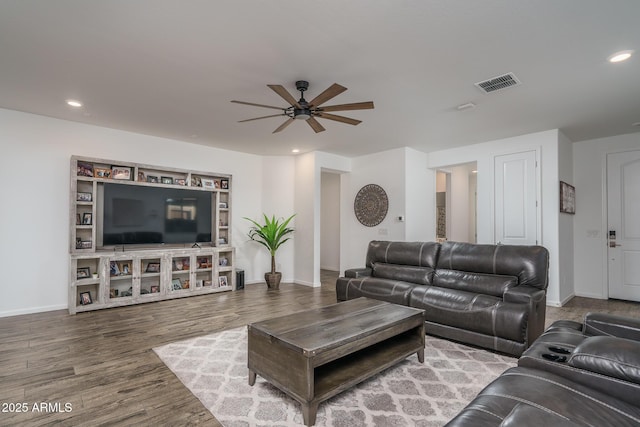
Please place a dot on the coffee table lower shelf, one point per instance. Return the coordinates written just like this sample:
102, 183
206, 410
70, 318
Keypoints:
295, 374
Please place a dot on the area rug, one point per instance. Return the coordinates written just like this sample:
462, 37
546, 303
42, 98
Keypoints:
214, 368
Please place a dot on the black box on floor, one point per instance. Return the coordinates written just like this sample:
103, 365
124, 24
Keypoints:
239, 279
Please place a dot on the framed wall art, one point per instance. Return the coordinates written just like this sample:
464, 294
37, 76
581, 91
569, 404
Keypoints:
567, 198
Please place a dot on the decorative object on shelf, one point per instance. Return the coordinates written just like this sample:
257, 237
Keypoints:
176, 284
102, 172
371, 205
224, 184
84, 197
166, 180
223, 205
567, 198
180, 181
83, 273
121, 173
152, 178
94, 275
85, 298
83, 244
85, 169
185, 284
223, 281
208, 183
113, 268
272, 234
153, 267
78, 220
86, 218
224, 262
206, 283
141, 176
125, 268
196, 181
155, 289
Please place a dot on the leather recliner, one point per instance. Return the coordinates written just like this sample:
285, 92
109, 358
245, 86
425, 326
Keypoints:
573, 375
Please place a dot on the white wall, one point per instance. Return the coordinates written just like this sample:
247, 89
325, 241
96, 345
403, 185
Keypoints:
546, 144
34, 223
330, 221
590, 221
420, 198
565, 223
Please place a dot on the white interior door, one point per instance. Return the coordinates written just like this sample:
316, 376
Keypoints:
623, 215
516, 192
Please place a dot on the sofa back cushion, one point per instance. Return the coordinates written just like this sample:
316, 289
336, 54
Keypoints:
530, 264
405, 273
488, 284
418, 254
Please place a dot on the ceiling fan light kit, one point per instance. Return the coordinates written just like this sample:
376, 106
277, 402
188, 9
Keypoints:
309, 111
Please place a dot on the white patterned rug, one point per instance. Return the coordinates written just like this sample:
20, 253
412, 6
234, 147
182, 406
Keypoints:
214, 368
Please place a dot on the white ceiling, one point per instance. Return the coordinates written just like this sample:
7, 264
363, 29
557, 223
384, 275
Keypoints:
170, 68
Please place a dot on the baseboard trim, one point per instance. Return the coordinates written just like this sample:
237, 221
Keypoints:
32, 310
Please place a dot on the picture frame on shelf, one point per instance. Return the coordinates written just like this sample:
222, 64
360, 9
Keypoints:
196, 181
208, 183
155, 289
180, 181
84, 197
113, 293
207, 283
216, 184
166, 180
223, 281
224, 184
185, 284
78, 219
84, 244
85, 298
223, 262
153, 267
121, 173
83, 273
87, 218
223, 205
125, 268
85, 169
102, 173
176, 284
152, 178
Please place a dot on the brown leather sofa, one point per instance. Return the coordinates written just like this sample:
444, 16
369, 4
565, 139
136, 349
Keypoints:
573, 375
493, 296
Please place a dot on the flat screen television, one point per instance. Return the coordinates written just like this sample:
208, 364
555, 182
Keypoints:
145, 215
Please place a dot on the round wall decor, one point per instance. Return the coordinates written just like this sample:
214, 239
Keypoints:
371, 205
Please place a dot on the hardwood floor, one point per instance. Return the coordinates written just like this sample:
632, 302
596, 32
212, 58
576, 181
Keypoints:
103, 365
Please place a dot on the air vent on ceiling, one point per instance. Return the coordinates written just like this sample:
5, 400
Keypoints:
500, 82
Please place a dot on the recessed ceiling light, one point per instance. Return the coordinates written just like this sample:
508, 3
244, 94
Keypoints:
74, 103
623, 55
295, 150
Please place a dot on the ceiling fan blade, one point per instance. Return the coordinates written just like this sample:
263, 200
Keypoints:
333, 90
280, 90
258, 105
315, 125
263, 117
339, 118
284, 125
353, 106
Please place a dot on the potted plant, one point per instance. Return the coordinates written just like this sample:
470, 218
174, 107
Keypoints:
272, 234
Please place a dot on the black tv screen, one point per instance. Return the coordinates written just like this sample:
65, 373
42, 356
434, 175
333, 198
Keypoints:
140, 215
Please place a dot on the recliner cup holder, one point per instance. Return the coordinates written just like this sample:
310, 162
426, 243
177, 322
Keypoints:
554, 357
559, 350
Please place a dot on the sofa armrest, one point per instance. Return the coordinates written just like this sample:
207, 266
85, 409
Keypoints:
610, 356
357, 272
536, 301
612, 325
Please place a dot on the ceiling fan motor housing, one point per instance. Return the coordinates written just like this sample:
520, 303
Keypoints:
302, 85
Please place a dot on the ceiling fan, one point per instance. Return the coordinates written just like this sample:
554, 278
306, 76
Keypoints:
308, 111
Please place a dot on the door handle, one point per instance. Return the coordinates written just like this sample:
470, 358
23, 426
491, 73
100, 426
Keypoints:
614, 244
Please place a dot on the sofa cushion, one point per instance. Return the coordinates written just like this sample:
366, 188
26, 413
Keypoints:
490, 284
471, 311
419, 254
528, 263
405, 273
394, 291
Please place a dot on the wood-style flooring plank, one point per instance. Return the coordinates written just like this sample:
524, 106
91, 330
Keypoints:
103, 362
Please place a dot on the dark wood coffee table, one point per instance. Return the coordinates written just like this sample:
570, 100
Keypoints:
315, 354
